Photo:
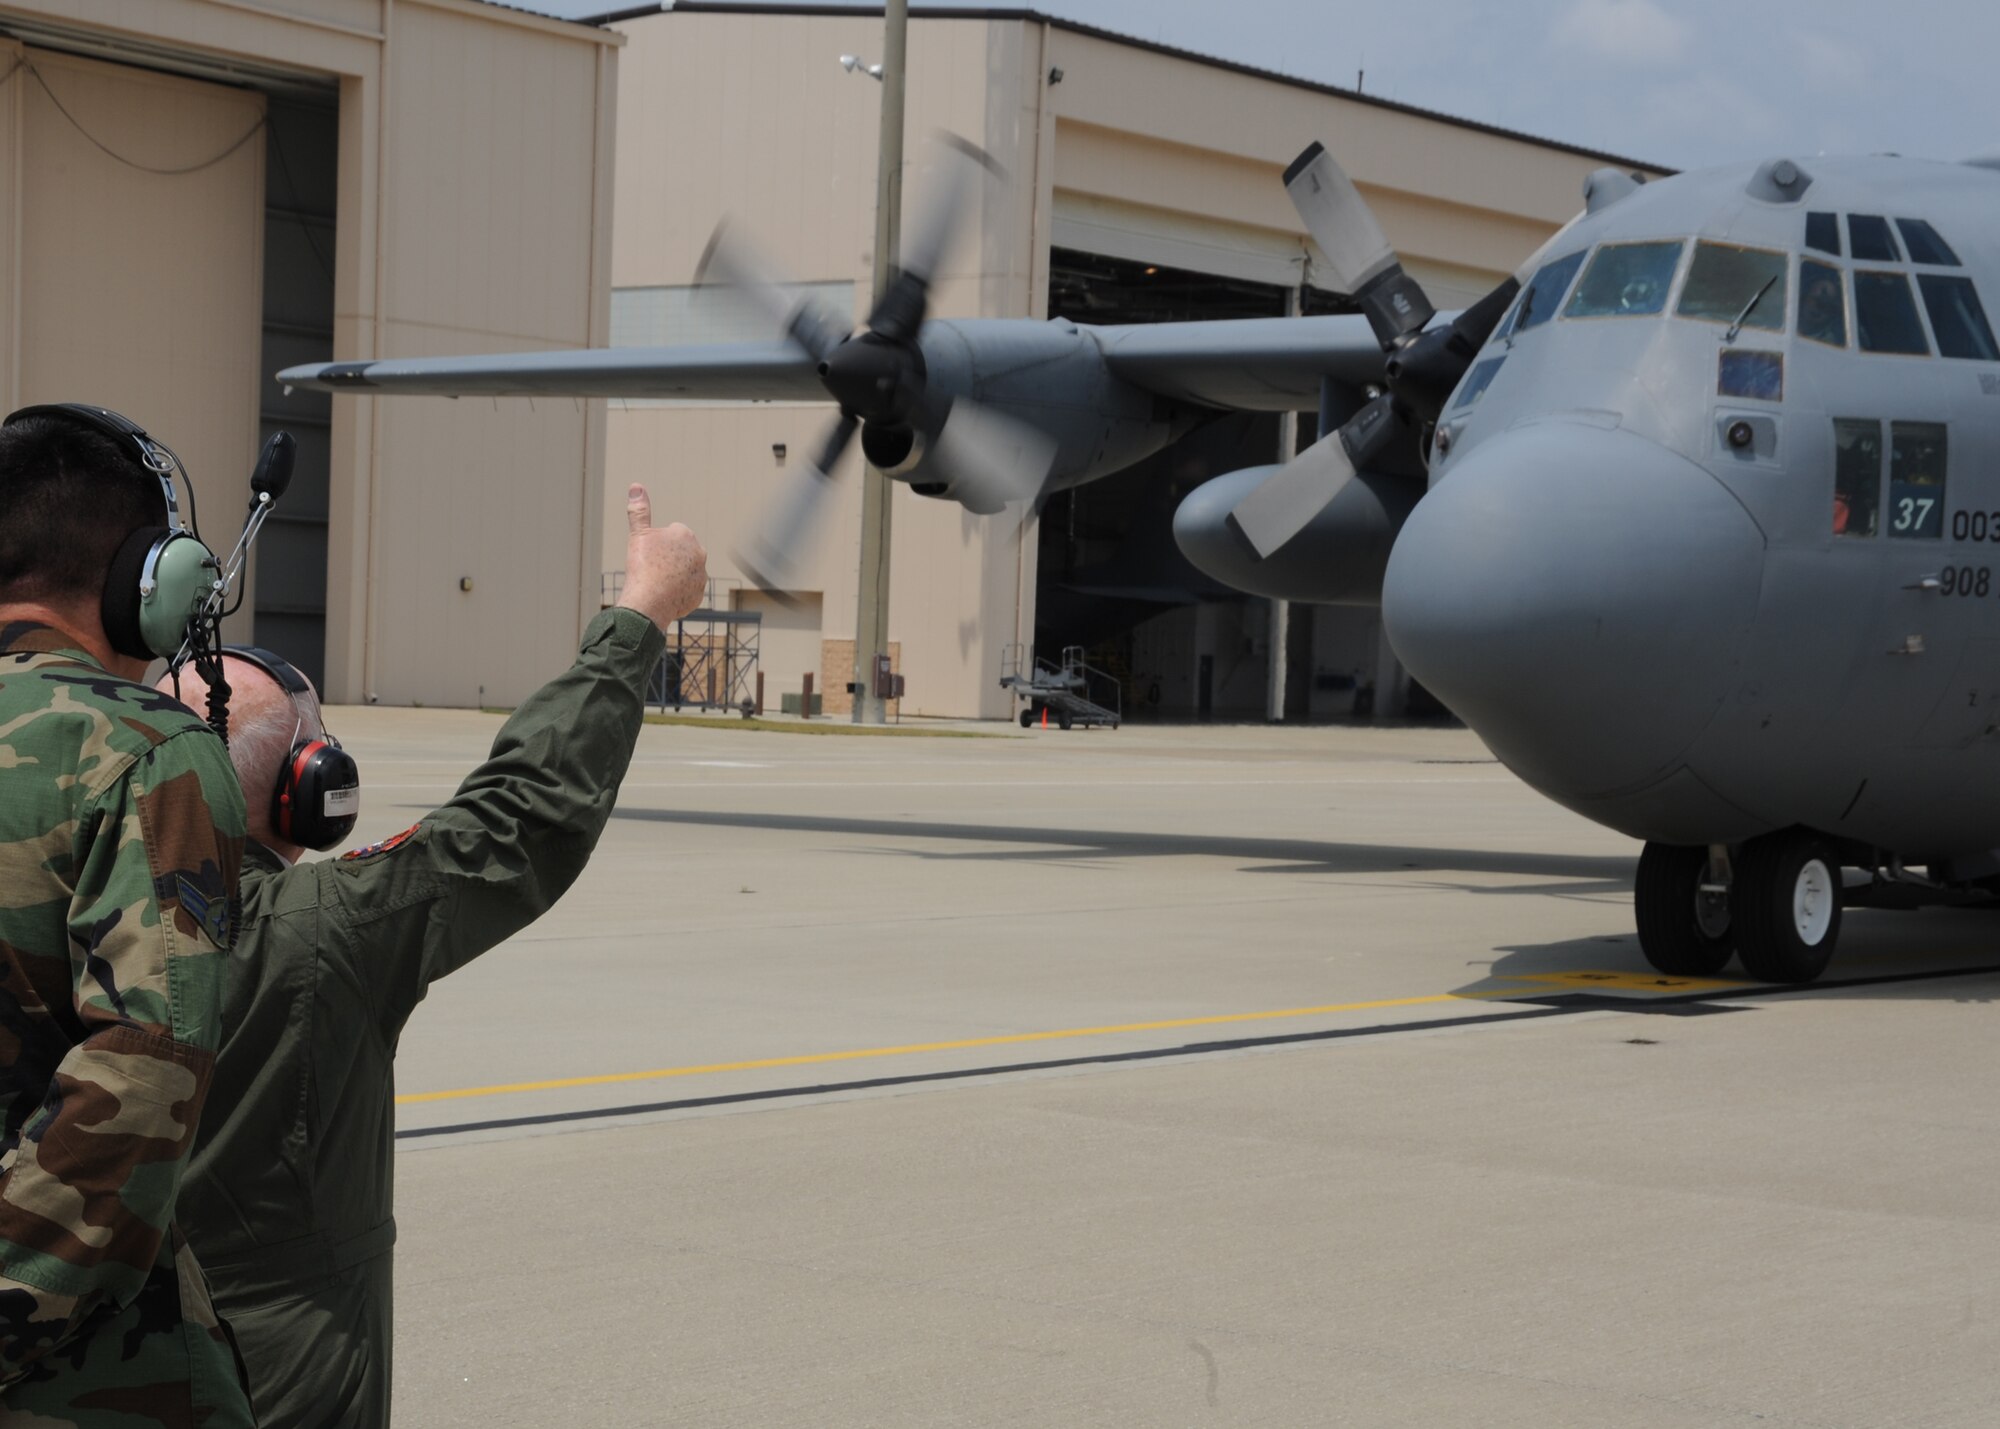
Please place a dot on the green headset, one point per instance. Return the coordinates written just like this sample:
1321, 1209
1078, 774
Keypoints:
162, 577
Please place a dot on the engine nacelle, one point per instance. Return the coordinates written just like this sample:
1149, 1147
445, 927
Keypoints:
894, 451
1096, 423
1338, 559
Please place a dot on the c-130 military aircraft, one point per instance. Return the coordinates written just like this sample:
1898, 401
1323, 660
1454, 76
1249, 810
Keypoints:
1694, 520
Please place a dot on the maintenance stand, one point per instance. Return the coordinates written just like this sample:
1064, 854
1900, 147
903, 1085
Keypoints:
1073, 693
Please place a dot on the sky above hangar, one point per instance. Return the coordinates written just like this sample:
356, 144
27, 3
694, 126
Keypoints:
1677, 83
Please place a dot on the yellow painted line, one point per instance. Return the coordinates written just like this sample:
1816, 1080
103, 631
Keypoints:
1009, 1039
1628, 982
1614, 981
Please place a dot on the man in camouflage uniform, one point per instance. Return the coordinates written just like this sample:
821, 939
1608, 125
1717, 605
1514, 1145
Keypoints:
290, 1198
121, 828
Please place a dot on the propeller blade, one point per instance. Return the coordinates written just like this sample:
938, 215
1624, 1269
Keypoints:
733, 270
1339, 219
771, 558
900, 309
1471, 328
1426, 370
961, 166
1284, 503
990, 460
1362, 263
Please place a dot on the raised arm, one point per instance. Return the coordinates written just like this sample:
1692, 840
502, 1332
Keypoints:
522, 825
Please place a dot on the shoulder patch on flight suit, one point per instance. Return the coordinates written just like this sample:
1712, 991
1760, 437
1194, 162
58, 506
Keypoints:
394, 841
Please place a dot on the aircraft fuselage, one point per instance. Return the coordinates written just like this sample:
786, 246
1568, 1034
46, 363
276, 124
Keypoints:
1712, 541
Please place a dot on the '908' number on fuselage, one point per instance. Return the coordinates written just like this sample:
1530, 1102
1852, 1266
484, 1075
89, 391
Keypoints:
1965, 580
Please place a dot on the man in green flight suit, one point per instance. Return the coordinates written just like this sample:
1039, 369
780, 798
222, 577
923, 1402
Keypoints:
121, 827
290, 1198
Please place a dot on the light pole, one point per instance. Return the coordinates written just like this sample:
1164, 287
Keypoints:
871, 616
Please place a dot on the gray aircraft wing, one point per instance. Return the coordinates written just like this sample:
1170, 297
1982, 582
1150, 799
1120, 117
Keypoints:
1257, 364
746, 371
1251, 364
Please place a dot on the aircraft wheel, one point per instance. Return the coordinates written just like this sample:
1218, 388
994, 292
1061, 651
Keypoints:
1787, 906
1682, 931
1063, 720
1027, 719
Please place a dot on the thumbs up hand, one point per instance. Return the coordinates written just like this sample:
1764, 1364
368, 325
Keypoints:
666, 569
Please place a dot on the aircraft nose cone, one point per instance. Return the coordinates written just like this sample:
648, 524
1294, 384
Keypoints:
1579, 596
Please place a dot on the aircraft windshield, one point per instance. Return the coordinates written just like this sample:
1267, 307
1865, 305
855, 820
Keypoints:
1957, 318
1477, 381
1822, 305
1868, 237
1543, 299
1724, 281
1626, 280
1924, 244
1885, 315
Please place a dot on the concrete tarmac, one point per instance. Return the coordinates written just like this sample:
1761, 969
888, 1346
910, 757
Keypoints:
1167, 1076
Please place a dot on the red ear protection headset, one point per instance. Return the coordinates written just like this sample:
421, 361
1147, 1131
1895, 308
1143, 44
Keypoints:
318, 797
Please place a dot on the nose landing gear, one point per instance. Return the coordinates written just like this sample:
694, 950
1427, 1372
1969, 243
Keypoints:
1777, 908
1685, 928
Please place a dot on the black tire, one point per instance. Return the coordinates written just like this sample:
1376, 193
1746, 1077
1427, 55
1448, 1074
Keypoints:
1063, 721
1027, 719
1786, 906
1667, 905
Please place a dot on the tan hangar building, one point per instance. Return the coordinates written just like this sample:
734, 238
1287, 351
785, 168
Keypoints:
199, 192
1143, 183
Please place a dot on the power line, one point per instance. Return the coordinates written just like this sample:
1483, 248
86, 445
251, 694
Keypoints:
112, 153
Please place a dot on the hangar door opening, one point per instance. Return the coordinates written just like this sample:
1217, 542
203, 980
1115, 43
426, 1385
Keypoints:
1110, 577
172, 221
301, 153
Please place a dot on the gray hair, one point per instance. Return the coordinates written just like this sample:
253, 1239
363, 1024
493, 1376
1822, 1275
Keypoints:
260, 740
263, 723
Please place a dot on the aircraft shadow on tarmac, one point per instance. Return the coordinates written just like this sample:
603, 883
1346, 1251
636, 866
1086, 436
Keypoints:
1942, 954
1575, 873
1888, 953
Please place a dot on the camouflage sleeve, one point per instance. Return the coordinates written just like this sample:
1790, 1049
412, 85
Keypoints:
513, 838
85, 1204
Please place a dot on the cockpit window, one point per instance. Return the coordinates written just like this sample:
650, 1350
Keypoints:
1822, 305
1746, 372
1868, 237
1477, 381
1726, 284
1885, 315
1823, 232
1957, 318
1857, 475
1924, 243
1543, 299
1626, 280
1916, 480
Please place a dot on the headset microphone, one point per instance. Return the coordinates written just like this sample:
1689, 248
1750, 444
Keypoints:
274, 469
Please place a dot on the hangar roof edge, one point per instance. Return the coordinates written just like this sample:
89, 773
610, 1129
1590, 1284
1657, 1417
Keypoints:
1011, 12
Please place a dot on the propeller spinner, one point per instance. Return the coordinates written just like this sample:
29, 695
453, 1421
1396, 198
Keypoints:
1424, 364
879, 379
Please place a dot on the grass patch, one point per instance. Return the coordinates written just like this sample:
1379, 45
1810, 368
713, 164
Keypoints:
826, 724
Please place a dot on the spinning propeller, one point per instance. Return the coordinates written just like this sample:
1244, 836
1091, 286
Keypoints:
878, 377
1423, 366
